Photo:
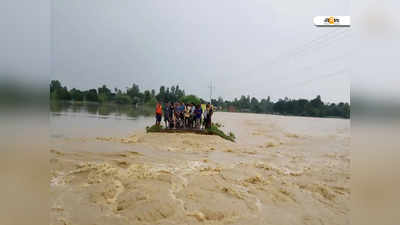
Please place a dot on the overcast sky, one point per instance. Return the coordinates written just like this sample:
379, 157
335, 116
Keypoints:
258, 48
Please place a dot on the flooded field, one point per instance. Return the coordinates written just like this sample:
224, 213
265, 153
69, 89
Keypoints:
281, 170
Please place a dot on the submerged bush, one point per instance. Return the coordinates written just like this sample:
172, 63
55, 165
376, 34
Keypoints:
232, 135
218, 125
216, 131
154, 128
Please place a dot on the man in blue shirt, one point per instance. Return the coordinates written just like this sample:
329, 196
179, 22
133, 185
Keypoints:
198, 112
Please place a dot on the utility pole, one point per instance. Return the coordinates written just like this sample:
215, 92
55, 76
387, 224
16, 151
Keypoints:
211, 89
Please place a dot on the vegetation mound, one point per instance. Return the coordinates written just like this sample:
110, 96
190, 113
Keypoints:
214, 130
154, 128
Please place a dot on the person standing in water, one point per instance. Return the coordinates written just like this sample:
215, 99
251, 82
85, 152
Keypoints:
171, 115
205, 117
166, 114
187, 115
158, 113
209, 115
198, 112
192, 120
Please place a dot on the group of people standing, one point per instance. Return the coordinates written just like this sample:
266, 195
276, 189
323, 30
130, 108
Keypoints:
181, 115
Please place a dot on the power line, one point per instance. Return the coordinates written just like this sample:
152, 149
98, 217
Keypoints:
296, 50
310, 67
291, 54
304, 83
321, 39
328, 43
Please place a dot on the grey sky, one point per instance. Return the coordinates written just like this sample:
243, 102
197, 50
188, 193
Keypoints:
260, 48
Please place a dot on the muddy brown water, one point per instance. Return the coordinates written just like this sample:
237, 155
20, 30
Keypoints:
281, 170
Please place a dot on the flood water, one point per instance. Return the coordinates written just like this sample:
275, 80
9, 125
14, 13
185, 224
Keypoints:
280, 170
88, 120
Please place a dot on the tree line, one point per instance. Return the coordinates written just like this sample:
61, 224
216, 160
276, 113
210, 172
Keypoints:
300, 107
133, 95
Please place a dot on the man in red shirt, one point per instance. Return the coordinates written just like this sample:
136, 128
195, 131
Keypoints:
158, 113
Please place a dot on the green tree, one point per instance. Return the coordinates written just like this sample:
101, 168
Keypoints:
104, 94
161, 96
346, 110
57, 92
76, 94
54, 85
152, 101
244, 103
122, 99
168, 96
91, 95
190, 99
147, 96
133, 91
255, 105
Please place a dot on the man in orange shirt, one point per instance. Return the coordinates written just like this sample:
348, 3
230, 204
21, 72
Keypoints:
158, 113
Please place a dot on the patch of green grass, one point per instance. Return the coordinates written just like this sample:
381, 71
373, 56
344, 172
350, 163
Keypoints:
216, 131
154, 128
232, 135
218, 125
